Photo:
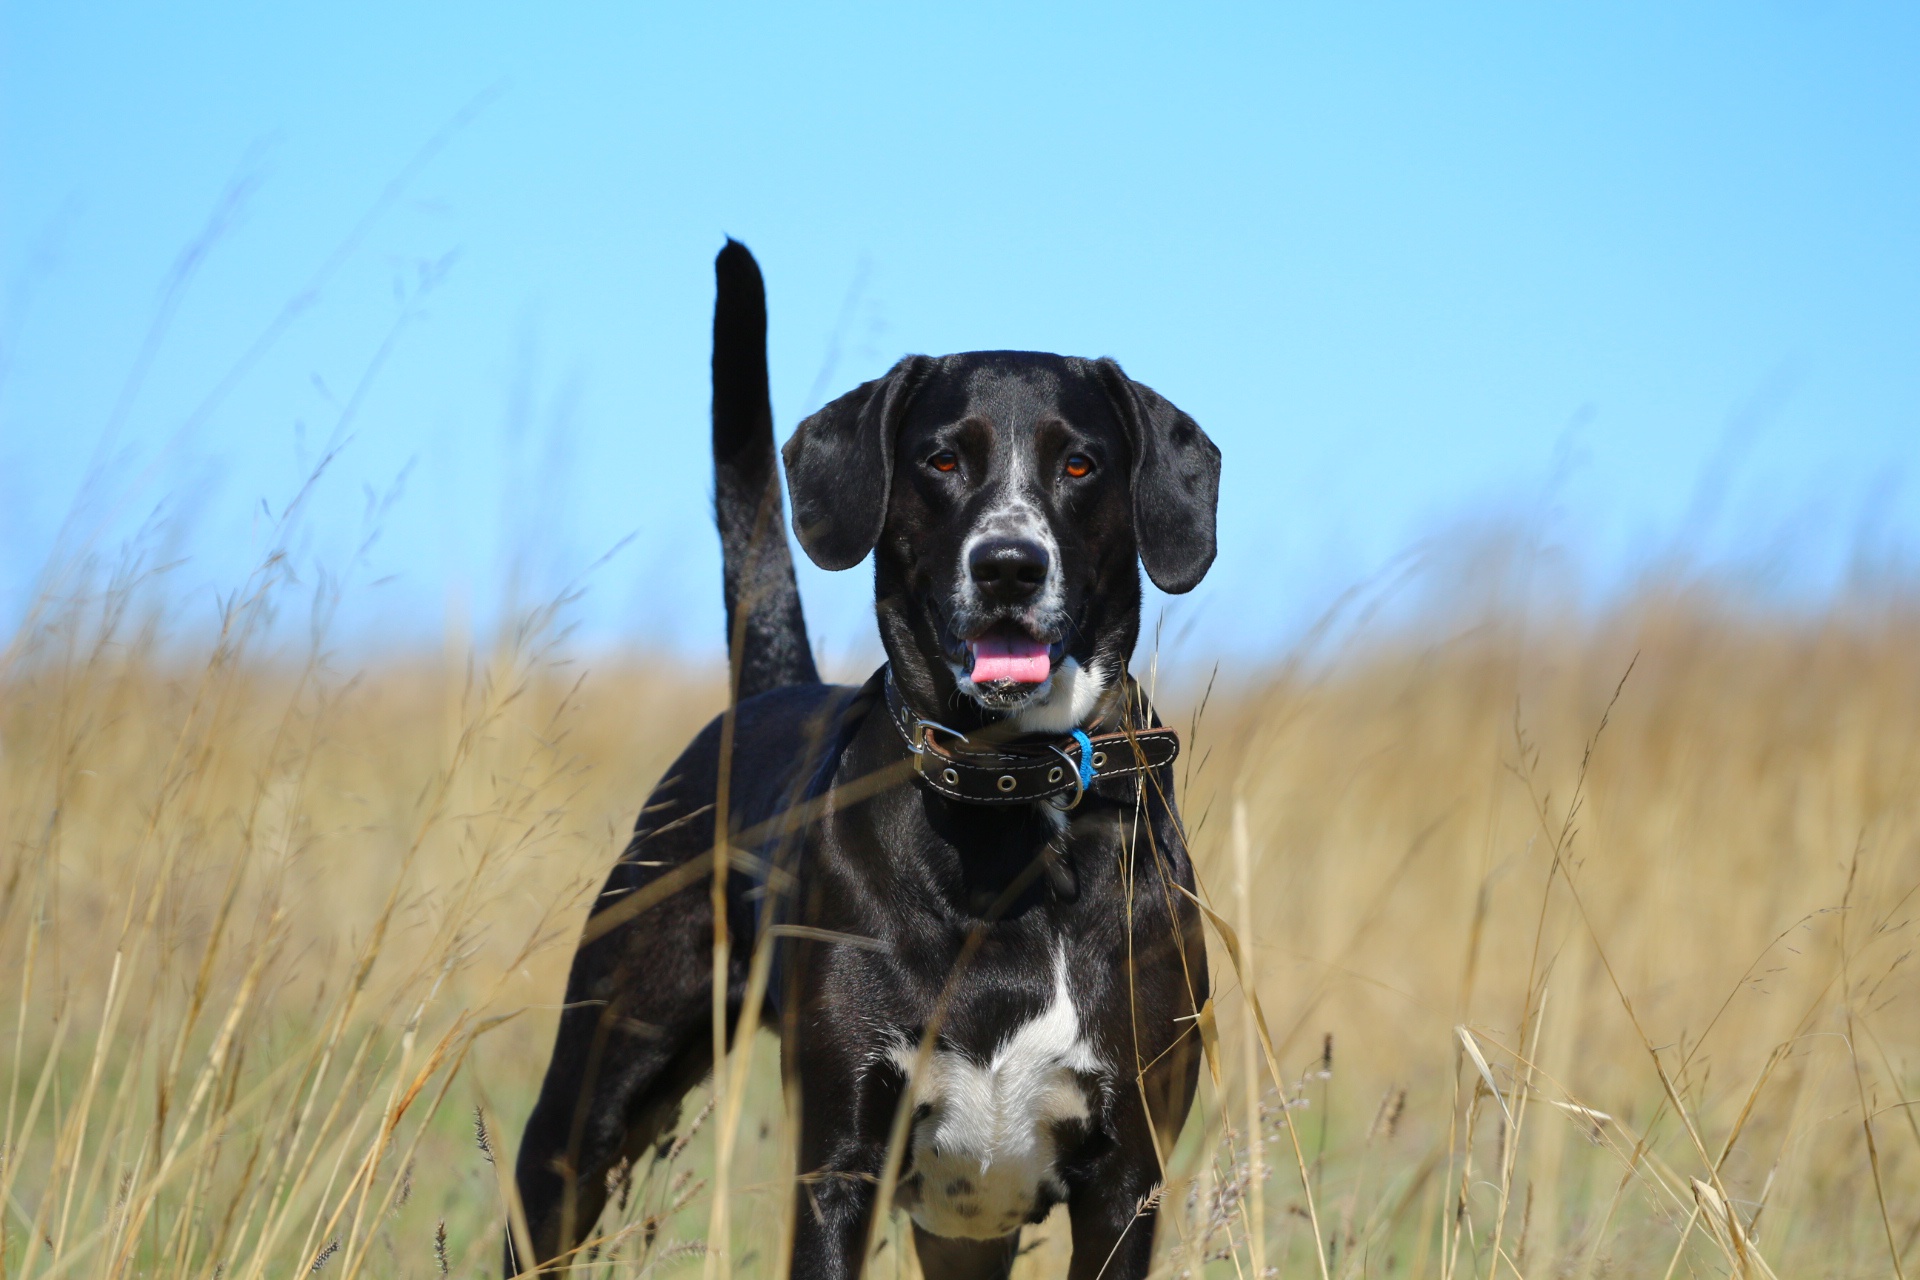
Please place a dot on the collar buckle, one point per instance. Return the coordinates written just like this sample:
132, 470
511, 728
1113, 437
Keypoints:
917, 737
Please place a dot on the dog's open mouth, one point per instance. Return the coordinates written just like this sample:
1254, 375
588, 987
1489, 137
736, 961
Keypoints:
1006, 654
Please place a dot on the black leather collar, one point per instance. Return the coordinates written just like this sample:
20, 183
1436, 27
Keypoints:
985, 769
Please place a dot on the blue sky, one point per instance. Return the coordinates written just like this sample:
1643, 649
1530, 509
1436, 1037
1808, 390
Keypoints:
1645, 276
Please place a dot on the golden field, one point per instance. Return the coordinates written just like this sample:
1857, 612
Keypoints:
1584, 948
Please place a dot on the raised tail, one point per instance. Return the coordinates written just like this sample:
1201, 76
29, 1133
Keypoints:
766, 630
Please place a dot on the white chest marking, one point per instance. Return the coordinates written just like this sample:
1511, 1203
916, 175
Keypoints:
984, 1152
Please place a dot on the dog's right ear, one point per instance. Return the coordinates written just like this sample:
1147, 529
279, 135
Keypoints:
840, 466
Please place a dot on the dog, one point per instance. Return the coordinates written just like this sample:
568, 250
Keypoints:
960, 893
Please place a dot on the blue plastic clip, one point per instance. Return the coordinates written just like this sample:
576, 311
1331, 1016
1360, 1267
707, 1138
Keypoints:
1086, 758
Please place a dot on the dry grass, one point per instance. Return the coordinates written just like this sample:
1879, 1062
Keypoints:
1543, 1000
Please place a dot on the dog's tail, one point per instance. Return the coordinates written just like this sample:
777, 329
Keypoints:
766, 631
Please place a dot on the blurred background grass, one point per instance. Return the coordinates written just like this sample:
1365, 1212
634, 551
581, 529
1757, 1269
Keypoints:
286, 937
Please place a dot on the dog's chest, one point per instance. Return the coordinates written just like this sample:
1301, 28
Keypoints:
986, 1140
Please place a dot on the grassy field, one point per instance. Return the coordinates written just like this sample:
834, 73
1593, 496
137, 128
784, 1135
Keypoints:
1583, 950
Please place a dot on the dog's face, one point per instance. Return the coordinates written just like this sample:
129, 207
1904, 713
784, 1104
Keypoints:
1007, 497
1009, 527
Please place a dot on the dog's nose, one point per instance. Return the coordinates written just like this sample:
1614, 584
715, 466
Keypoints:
1008, 570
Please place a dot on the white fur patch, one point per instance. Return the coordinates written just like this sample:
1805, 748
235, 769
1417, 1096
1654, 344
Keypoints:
984, 1152
1068, 702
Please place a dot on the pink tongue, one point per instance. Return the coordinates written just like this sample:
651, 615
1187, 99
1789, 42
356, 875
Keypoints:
1001, 658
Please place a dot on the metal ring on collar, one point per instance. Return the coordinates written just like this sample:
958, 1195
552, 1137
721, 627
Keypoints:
1073, 768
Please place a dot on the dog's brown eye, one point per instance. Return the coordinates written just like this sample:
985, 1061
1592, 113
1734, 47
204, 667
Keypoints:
945, 460
1079, 465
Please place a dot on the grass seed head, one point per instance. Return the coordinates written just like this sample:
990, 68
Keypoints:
481, 1138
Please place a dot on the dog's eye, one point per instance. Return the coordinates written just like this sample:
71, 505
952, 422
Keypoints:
945, 460
1079, 465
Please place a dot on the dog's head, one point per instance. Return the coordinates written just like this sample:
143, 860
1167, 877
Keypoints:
1007, 497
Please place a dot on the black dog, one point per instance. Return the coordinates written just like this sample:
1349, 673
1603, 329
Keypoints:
966, 880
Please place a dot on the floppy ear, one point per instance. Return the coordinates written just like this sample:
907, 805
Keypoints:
1176, 483
840, 466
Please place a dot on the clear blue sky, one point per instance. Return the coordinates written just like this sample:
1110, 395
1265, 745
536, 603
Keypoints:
1413, 266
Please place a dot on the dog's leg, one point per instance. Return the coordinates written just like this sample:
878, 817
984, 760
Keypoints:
830, 1223
843, 1149
1115, 1206
1113, 1219
942, 1258
636, 1035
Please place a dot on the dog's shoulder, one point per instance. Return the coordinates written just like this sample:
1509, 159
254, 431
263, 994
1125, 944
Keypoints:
786, 742
807, 709
777, 744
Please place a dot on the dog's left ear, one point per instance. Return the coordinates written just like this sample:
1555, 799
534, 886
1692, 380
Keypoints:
840, 466
1176, 482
